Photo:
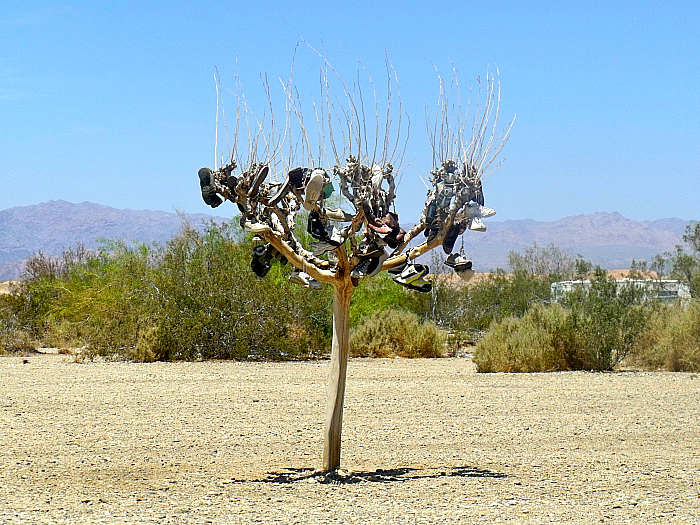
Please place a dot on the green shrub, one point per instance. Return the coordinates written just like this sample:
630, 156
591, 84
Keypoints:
672, 340
14, 338
396, 333
195, 298
605, 322
533, 343
596, 329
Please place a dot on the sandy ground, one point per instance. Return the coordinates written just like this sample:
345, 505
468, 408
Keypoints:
424, 441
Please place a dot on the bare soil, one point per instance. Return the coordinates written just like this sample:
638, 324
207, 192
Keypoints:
424, 441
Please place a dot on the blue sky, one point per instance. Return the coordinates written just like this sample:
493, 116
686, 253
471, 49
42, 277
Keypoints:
114, 102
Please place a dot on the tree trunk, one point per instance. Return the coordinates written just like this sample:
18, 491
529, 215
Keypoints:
336, 381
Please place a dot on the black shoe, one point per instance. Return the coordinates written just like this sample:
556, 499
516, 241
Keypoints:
369, 215
262, 255
206, 184
257, 180
316, 228
431, 232
431, 213
297, 177
260, 266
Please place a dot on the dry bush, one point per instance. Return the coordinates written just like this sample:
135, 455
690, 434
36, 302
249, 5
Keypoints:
396, 333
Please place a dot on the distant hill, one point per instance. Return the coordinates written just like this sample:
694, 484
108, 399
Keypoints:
56, 225
608, 239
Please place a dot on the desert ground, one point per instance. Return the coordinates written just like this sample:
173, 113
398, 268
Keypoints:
424, 441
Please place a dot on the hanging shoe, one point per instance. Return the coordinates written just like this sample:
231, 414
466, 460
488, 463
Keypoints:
465, 274
431, 212
420, 285
338, 235
322, 247
477, 225
278, 194
369, 267
297, 176
382, 228
338, 215
208, 187
367, 250
260, 264
369, 216
431, 232
373, 269
316, 228
458, 262
328, 190
303, 279
258, 178
232, 183
411, 273
314, 187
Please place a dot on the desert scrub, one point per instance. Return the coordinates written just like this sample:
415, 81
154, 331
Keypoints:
672, 340
471, 308
533, 343
14, 338
396, 333
605, 322
194, 298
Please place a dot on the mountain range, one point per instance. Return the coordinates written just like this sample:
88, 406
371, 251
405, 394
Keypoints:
608, 239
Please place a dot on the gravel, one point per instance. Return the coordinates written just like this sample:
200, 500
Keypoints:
424, 441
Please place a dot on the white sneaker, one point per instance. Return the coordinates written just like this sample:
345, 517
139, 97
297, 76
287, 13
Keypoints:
476, 210
339, 215
477, 225
314, 188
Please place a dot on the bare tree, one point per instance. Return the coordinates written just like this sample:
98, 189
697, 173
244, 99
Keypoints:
282, 173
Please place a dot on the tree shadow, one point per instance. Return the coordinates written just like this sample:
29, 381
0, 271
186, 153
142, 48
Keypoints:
342, 476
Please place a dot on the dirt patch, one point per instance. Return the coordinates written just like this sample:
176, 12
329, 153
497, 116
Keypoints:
424, 441
5, 286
